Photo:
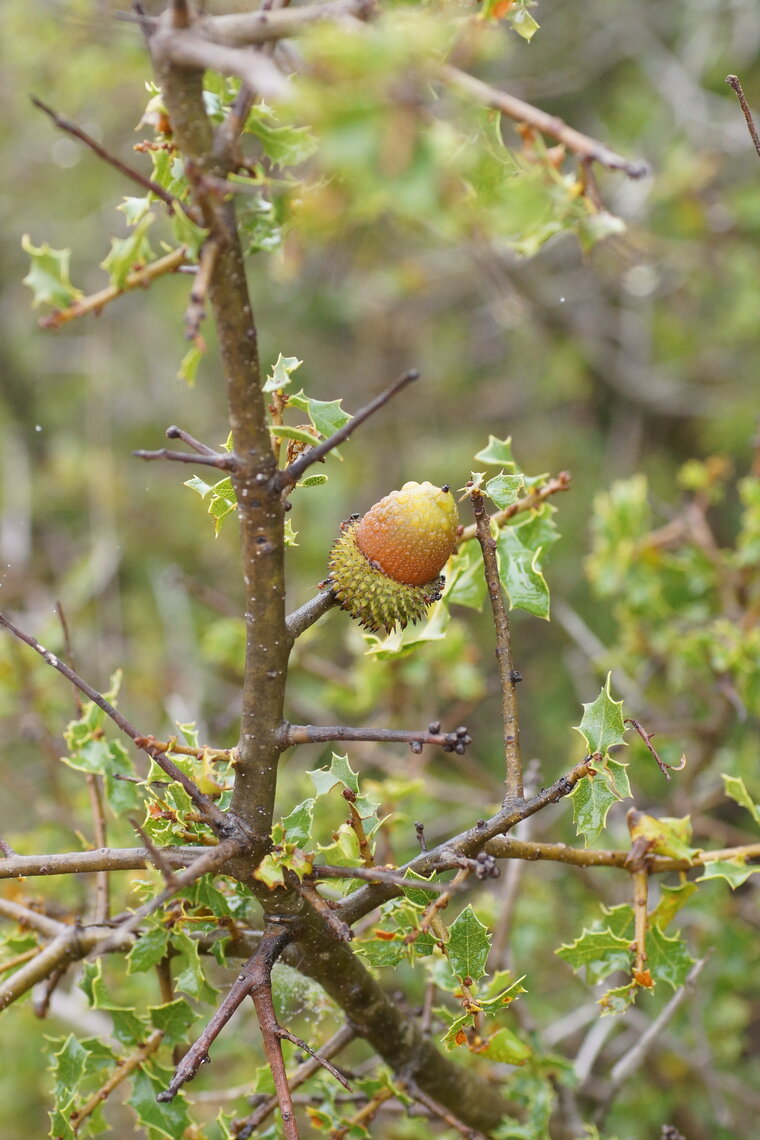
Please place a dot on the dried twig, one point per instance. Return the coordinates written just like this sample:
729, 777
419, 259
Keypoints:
293, 472
513, 779
148, 184
105, 859
196, 309
735, 85
666, 769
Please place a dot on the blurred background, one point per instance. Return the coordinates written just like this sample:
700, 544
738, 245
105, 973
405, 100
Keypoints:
634, 357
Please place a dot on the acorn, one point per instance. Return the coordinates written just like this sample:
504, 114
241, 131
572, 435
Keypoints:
385, 568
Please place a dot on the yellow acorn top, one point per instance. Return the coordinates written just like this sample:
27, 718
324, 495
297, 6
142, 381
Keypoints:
410, 533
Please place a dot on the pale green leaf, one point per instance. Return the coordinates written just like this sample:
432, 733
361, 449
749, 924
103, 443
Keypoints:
48, 275
468, 945
602, 724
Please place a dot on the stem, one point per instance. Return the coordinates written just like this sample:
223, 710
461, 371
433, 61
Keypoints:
586, 148
513, 778
260, 508
139, 278
317, 734
106, 859
309, 613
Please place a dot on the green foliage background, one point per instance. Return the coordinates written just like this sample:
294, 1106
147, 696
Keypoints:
634, 357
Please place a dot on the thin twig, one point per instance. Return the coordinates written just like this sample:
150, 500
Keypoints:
134, 175
468, 842
666, 769
438, 1110
340, 929
376, 875
174, 432
204, 804
735, 85
504, 847
583, 146
513, 778
188, 49
530, 502
293, 472
286, 1035
455, 741
262, 27
225, 462
336, 1044
96, 302
641, 975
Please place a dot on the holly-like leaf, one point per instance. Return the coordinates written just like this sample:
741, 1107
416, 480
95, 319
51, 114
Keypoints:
736, 789
602, 724
327, 416
598, 953
298, 823
173, 1019
283, 144
221, 496
504, 490
505, 1046
187, 232
282, 371
340, 771
129, 253
48, 275
498, 453
734, 871
468, 945
668, 959
148, 950
170, 1119
520, 572
465, 582
188, 366
592, 799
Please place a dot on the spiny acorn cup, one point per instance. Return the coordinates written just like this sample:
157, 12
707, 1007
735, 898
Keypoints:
385, 567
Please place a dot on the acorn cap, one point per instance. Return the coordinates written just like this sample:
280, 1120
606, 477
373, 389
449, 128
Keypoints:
384, 568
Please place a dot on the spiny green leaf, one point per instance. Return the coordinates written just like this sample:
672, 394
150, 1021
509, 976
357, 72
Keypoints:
171, 1119
129, 253
498, 453
465, 582
173, 1019
48, 276
506, 1046
186, 232
468, 945
598, 953
592, 799
188, 367
736, 789
734, 871
327, 416
340, 771
282, 371
148, 950
298, 823
602, 724
504, 490
520, 572
666, 835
